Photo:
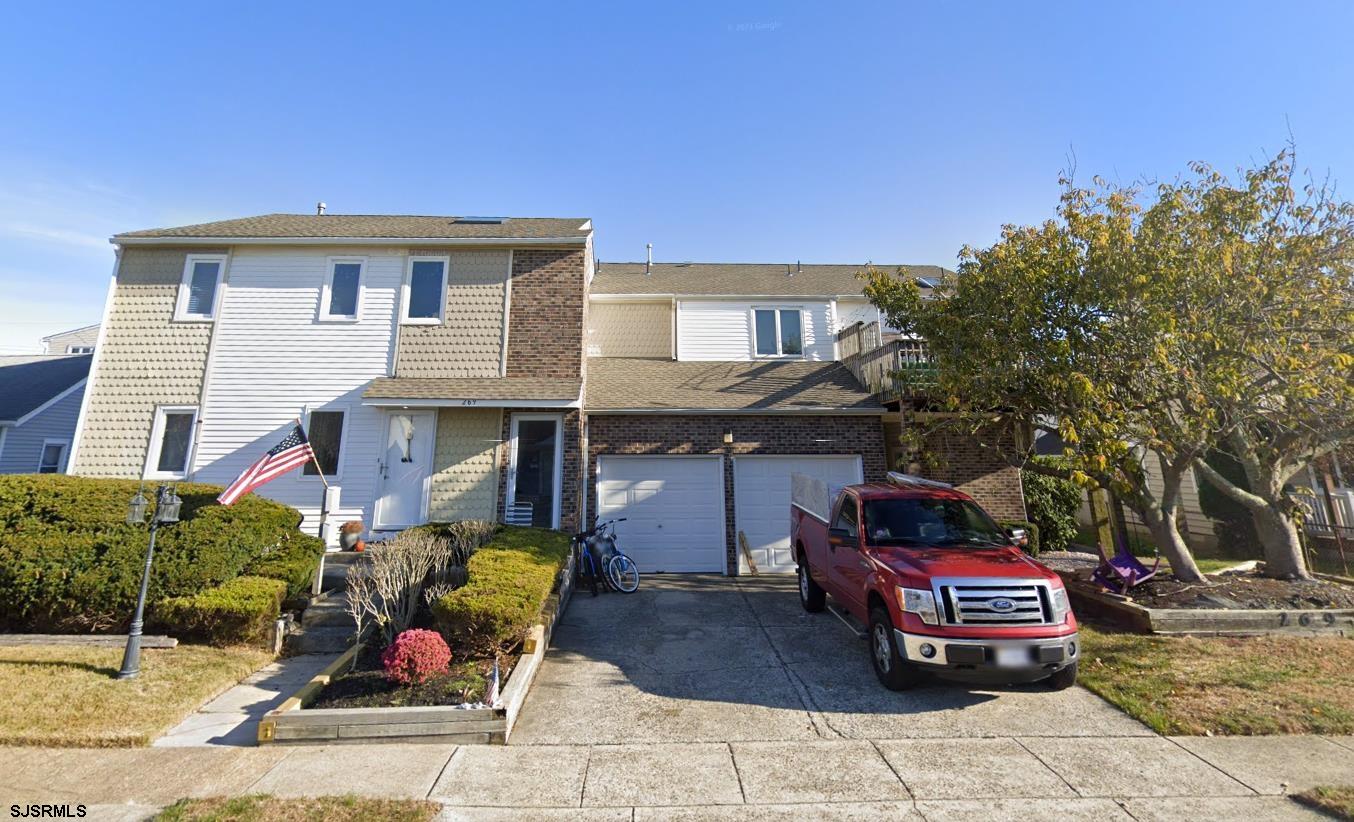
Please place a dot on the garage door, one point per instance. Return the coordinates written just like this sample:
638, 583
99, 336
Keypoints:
674, 508
762, 501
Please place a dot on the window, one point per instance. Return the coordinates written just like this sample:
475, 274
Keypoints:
197, 292
79, 349
847, 516
947, 522
423, 288
171, 442
326, 438
341, 298
53, 459
779, 332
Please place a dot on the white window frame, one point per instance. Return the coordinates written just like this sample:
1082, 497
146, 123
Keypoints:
776, 309
79, 349
157, 441
405, 319
65, 454
347, 413
513, 434
326, 293
181, 304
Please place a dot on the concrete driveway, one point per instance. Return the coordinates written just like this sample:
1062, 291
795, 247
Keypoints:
716, 659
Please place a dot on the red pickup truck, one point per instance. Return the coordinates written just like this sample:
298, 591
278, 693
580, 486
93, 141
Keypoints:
942, 587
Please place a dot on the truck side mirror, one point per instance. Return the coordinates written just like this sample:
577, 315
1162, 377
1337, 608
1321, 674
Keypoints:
837, 537
1019, 536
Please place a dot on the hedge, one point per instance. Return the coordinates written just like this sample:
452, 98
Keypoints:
1052, 504
509, 581
70, 562
241, 610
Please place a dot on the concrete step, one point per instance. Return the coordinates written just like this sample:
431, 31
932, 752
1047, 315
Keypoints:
330, 610
319, 640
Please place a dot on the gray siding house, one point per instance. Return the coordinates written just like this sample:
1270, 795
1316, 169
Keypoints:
39, 405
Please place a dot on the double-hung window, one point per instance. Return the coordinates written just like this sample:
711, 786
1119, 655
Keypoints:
326, 439
53, 459
341, 298
778, 332
199, 288
425, 286
171, 442
79, 349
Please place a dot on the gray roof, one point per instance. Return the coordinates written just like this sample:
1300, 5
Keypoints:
27, 384
373, 226
652, 385
473, 388
749, 279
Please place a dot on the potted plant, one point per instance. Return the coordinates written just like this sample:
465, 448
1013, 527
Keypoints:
350, 535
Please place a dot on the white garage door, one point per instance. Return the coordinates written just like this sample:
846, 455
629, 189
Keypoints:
674, 508
762, 501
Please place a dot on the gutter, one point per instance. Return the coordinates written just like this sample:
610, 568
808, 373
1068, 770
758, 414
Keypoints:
805, 411
367, 241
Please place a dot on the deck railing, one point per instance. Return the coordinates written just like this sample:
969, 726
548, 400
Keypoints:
891, 368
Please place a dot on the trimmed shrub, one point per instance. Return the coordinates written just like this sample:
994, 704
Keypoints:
1033, 530
509, 581
415, 656
241, 610
1052, 504
70, 562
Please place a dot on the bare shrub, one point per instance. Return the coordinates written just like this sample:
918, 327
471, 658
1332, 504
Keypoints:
387, 587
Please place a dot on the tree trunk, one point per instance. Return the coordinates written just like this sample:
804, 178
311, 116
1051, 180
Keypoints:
1166, 532
1283, 546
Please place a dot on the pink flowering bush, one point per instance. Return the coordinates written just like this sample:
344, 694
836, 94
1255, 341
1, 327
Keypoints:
415, 656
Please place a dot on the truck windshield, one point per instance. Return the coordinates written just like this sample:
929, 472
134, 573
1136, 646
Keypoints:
949, 522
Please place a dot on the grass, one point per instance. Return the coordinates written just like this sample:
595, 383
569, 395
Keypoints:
269, 809
1219, 685
1338, 802
66, 695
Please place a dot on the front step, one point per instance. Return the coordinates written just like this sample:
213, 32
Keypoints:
328, 611
319, 640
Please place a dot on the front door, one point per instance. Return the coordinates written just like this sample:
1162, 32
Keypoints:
534, 471
405, 467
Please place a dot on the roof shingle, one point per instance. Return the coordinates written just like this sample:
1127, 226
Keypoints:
651, 385
372, 226
473, 388
26, 385
743, 279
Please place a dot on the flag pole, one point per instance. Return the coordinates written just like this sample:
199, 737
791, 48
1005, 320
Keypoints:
315, 459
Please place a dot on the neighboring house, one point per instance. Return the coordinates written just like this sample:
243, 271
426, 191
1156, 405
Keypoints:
39, 405
449, 368
75, 341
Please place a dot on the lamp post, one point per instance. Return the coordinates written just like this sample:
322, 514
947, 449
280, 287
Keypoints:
166, 510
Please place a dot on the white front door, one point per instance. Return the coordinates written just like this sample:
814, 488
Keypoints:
674, 510
406, 464
762, 501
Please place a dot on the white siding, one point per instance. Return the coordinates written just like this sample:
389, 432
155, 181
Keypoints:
271, 358
23, 443
854, 311
722, 330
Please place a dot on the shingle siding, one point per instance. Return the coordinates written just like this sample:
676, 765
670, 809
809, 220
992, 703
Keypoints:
470, 342
147, 360
465, 478
630, 330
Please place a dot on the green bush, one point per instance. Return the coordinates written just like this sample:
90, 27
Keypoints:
1052, 504
241, 610
70, 562
509, 580
1032, 529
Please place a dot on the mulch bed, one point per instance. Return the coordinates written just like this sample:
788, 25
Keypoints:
366, 685
1243, 591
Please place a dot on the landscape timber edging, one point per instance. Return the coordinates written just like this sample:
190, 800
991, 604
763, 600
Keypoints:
292, 723
1089, 601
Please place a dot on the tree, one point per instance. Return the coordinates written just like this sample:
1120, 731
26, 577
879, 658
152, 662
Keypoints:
1122, 327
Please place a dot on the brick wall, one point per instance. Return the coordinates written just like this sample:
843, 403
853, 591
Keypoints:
545, 327
979, 473
661, 434
570, 496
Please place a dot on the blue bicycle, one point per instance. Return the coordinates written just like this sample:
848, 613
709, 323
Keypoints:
600, 558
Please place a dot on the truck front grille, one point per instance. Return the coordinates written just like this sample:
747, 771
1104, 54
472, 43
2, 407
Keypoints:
1015, 604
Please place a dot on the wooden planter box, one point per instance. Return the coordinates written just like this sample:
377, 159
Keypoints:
293, 723
1091, 601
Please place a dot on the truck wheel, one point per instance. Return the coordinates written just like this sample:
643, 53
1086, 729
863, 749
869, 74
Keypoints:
1064, 678
811, 594
893, 671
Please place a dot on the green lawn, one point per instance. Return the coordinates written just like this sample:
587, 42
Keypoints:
1337, 802
1217, 685
322, 809
66, 695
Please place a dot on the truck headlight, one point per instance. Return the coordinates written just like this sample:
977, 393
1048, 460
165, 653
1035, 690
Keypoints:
1061, 607
919, 601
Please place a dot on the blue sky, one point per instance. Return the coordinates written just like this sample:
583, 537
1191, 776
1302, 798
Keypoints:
823, 132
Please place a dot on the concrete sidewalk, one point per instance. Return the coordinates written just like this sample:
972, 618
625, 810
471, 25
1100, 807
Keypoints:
997, 778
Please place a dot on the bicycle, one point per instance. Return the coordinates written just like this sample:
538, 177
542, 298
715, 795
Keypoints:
600, 557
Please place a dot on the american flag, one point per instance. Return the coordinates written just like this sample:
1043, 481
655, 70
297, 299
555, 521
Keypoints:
294, 451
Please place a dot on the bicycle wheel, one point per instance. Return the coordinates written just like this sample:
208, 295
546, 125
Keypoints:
623, 574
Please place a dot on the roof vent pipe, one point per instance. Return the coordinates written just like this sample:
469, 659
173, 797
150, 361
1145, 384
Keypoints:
799, 267
648, 263
319, 209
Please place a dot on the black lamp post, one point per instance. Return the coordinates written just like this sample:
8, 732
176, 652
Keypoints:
166, 510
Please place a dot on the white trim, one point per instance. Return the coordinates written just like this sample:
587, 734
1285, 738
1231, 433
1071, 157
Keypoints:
347, 413
53, 401
64, 464
507, 318
4, 432
322, 314
79, 350
468, 402
157, 432
780, 343
369, 241
723, 502
511, 495
704, 297
72, 331
98, 352
181, 314
426, 492
862, 412
441, 317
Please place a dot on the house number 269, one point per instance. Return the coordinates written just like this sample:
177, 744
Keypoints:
469, 402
